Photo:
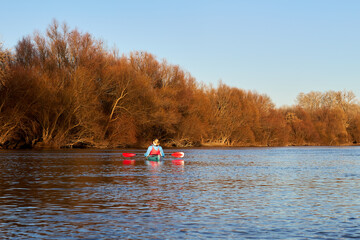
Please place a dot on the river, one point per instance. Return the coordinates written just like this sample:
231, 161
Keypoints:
217, 193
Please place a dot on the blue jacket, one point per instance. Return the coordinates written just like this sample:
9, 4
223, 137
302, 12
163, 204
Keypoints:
156, 148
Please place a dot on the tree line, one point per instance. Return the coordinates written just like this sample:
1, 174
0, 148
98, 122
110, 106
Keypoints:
65, 89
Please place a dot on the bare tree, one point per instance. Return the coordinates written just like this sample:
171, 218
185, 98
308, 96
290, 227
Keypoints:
5, 58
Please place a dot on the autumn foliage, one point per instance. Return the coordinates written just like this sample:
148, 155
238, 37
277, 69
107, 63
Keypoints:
64, 89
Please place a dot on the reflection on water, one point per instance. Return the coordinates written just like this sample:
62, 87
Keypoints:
259, 193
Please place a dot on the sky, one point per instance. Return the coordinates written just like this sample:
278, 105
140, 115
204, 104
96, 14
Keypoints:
275, 47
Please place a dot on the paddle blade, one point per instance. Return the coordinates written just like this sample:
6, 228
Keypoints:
178, 154
128, 154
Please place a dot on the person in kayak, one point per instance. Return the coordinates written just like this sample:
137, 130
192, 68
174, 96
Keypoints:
155, 149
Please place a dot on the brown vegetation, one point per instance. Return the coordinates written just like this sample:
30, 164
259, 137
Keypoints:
65, 90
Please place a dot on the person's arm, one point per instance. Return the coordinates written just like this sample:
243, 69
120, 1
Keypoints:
148, 151
161, 151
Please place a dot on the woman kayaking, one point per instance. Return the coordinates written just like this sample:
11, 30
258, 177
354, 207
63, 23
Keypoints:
155, 151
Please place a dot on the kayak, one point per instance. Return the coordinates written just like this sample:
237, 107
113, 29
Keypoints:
154, 158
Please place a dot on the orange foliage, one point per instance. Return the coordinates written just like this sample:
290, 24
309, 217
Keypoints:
65, 90
301, 128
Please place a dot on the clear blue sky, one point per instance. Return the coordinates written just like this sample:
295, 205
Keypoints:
275, 47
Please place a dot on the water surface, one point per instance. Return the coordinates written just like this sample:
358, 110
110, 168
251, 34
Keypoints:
219, 193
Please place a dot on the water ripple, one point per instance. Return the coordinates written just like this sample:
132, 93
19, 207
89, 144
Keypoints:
245, 193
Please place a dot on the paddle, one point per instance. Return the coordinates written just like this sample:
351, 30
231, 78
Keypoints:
175, 154
128, 154
178, 154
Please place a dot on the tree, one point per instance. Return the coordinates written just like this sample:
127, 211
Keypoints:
310, 101
64, 89
331, 112
301, 128
274, 132
234, 116
5, 59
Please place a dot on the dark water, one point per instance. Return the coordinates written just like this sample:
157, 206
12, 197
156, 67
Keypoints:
252, 193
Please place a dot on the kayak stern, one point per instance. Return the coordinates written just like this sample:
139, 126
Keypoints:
154, 158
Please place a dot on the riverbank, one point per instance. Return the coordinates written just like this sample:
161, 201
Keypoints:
104, 145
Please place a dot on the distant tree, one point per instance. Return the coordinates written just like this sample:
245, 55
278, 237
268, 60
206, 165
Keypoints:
25, 52
236, 116
310, 101
331, 99
331, 113
6, 125
50, 101
302, 130
194, 127
354, 129
65, 89
274, 132
5, 59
